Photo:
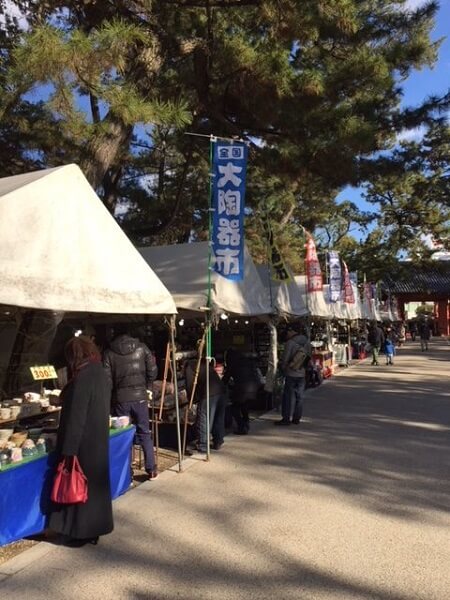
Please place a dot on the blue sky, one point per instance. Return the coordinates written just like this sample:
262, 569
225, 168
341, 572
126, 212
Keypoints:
419, 86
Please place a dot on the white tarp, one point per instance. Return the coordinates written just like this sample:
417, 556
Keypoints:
60, 249
285, 298
370, 310
385, 313
315, 301
344, 310
184, 270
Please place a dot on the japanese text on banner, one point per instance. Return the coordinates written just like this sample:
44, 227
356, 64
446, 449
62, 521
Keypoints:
229, 176
335, 274
313, 271
348, 294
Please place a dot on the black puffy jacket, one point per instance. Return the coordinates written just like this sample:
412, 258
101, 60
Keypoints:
131, 369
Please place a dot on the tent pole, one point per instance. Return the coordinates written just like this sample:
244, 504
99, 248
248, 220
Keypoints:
208, 302
194, 387
175, 386
208, 362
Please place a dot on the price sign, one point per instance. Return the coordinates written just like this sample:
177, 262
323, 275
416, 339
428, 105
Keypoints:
44, 372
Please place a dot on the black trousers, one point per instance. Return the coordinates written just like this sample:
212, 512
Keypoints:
239, 410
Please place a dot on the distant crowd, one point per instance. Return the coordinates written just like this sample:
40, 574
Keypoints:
386, 338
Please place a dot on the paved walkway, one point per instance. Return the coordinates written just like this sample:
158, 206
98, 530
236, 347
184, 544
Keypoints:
353, 504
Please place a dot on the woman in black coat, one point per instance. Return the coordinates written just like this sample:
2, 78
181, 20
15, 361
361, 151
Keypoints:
84, 432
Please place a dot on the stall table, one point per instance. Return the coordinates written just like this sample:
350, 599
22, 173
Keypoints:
25, 487
324, 359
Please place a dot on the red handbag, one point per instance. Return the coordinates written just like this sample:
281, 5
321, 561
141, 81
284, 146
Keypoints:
70, 485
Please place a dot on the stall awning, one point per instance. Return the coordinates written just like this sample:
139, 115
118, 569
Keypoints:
184, 270
344, 310
286, 298
315, 301
60, 249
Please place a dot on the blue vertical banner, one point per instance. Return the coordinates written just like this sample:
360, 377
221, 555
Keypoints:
335, 275
229, 177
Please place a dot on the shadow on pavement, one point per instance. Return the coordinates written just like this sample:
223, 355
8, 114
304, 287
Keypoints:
378, 437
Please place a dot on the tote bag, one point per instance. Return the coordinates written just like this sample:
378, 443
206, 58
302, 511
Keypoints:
70, 484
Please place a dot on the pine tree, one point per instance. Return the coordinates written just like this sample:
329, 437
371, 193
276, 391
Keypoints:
317, 84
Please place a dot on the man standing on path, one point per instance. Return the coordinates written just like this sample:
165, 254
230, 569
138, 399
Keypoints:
376, 340
131, 369
425, 334
294, 376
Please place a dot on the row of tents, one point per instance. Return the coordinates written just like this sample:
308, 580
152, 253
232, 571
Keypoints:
60, 249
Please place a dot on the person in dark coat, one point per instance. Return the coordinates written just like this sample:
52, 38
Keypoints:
217, 403
131, 370
242, 370
376, 340
413, 330
84, 433
424, 333
294, 376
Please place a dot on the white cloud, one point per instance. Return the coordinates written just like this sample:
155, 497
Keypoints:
411, 135
414, 4
13, 11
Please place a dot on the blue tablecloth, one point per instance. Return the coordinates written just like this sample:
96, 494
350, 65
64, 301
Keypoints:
25, 489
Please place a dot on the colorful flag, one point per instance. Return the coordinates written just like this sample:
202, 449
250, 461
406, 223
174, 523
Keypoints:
335, 275
349, 296
313, 271
277, 266
229, 175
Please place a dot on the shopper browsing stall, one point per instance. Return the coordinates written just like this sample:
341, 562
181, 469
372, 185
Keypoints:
240, 371
84, 433
293, 368
195, 373
131, 370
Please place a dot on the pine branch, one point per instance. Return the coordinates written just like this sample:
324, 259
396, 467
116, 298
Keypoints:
149, 231
214, 4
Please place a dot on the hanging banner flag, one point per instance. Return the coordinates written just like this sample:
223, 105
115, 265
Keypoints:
277, 266
313, 272
335, 274
368, 291
349, 296
229, 175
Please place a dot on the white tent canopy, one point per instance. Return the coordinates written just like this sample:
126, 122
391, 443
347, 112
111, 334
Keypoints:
184, 270
370, 310
60, 249
315, 301
344, 310
285, 298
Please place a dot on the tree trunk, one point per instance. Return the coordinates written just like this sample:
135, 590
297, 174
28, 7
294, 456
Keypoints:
103, 150
34, 338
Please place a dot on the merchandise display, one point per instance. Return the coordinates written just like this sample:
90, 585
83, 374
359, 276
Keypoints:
27, 426
30, 479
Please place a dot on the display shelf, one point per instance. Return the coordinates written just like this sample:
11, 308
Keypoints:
29, 459
19, 418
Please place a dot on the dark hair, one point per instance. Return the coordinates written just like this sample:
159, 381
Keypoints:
80, 349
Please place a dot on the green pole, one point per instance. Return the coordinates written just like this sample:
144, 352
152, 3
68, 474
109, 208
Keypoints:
208, 301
